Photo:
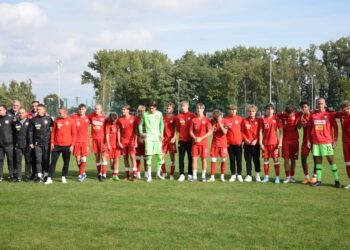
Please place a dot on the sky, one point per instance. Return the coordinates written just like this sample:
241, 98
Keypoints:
34, 34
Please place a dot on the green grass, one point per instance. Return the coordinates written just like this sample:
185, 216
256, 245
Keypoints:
172, 215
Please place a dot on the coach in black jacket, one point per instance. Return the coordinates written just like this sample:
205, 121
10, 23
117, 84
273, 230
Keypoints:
6, 142
39, 140
21, 134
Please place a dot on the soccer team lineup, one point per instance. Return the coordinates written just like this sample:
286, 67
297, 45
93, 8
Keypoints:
146, 138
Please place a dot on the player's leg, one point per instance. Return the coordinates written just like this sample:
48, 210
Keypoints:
346, 154
38, 163
248, 154
149, 167
222, 152
19, 152
189, 158
66, 160
238, 157
286, 157
230, 150
172, 163
104, 167
256, 160
55, 154
194, 165
2, 155
126, 164
266, 156
182, 150
9, 157
133, 162
334, 170
277, 166
305, 168
317, 153
27, 161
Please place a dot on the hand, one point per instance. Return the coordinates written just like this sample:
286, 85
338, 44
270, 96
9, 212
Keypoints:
31, 146
143, 135
120, 145
279, 145
334, 144
308, 144
198, 139
109, 146
254, 142
71, 148
248, 142
52, 146
161, 137
219, 118
262, 147
173, 140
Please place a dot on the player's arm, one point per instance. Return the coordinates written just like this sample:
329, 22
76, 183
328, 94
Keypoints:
118, 138
280, 128
309, 131
161, 127
222, 126
53, 132
108, 138
74, 135
191, 131
261, 138
209, 132
335, 133
31, 134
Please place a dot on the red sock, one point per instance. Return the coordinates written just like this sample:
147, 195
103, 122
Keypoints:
348, 171
82, 168
104, 169
287, 173
138, 165
127, 172
172, 170
223, 167
134, 171
266, 168
213, 168
99, 168
163, 168
277, 169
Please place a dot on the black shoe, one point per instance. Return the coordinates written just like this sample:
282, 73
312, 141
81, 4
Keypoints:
99, 177
1, 179
11, 179
37, 180
316, 184
18, 180
32, 178
27, 179
103, 178
337, 184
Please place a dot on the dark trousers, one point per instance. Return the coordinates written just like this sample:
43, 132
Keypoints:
8, 151
42, 158
252, 152
54, 157
19, 153
235, 154
185, 146
33, 161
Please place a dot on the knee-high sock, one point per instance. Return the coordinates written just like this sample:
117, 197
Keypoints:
334, 171
319, 168
277, 168
266, 168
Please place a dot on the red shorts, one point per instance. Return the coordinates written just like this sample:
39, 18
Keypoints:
113, 153
140, 150
305, 151
81, 149
98, 146
346, 151
169, 147
271, 151
128, 150
200, 150
290, 150
218, 151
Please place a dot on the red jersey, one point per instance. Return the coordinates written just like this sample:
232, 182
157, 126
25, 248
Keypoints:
321, 126
269, 126
127, 128
169, 126
304, 122
82, 125
250, 129
98, 123
219, 138
112, 130
137, 124
345, 125
199, 127
290, 126
234, 132
183, 121
63, 132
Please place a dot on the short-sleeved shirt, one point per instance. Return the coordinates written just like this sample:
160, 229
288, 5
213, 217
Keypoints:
98, 123
127, 127
219, 138
269, 126
183, 121
82, 125
234, 132
199, 127
290, 126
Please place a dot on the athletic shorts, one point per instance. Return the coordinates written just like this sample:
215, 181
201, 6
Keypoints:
200, 151
322, 150
113, 153
140, 150
290, 150
169, 147
271, 151
305, 151
153, 148
81, 149
98, 146
218, 151
346, 152
128, 150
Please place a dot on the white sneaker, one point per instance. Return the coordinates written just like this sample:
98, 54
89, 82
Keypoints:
164, 175
286, 180
138, 175
146, 175
239, 178
212, 179
149, 179
48, 181
189, 177
257, 178
181, 178
248, 178
347, 187
64, 180
203, 180
233, 178
292, 179
171, 177
222, 178
160, 177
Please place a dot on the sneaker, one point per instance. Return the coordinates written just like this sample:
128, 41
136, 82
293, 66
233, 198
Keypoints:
347, 186
337, 184
257, 178
149, 179
103, 178
99, 177
266, 179
18, 180
84, 175
115, 178
239, 178
146, 175
38, 180
306, 181
189, 177
248, 178
277, 180
203, 180
48, 181
160, 177
64, 180
1, 179
27, 179
292, 179
233, 178
80, 177
316, 184
193, 180
171, 177
127, 178
181, 178
286, 180
222, 178
164, 175
212, 179
134, 179
10, 179
313, 180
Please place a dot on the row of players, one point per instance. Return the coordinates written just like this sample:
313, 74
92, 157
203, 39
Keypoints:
30, 134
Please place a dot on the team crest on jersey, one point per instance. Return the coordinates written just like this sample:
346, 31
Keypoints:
182, 122
59, 125
325, 117
236, 122
230, 124
157, 116
266, 126
7, 121
274, 121
171, 121
78, 124
101, 119
293, 117
188, 118
27, 123
87, 120
67, 123
18, 127
45, 122
131, 121
38, 126
248, 126
203, 122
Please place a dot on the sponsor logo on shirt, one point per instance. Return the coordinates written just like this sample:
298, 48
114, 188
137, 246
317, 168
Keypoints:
319, 122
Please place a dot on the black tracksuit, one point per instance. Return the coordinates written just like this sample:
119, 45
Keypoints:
21, 143
39, 136
6, 144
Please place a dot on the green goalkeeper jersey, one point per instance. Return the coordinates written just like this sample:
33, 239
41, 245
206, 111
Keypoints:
153, 124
